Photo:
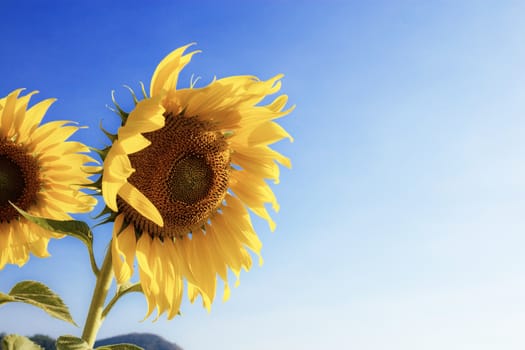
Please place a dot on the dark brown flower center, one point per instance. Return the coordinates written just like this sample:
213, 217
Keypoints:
189, 180
184, 173
19, 179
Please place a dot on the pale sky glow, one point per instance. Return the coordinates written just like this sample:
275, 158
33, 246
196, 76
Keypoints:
401, 223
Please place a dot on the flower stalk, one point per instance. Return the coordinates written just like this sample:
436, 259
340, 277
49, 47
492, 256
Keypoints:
95, 317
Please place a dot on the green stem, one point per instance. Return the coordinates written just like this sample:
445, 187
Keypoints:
95, 318
92, 260
120, 293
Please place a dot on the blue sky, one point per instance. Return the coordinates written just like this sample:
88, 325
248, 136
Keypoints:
401, 222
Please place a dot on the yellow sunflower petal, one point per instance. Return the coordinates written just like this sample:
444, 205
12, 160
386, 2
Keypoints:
278, 103
180, 259
134, 144
141, 203
261, 161
146, 117
56, 139
158, 272
44, 131
39, 248
166, 75
201, 260
194, 291
253, 190
232, 248
242, 226
5, 242
33, 117
256, 203
7, 114
149, 285
173, 278
18, 247
123, 247
268, 133
20, 111
117, 168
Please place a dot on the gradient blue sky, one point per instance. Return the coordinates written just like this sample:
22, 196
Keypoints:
401, 222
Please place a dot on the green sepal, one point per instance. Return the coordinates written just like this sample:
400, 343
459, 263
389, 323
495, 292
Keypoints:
120, 347
135, 99
111, 216
98, 184
101, 152
39, 295
143, 89
122, 114
18, 342
69, 342
109, 135
106, 211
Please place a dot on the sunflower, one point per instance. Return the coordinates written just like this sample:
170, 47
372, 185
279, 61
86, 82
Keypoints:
40, 173
180, 176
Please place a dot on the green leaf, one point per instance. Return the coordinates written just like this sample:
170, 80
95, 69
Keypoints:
69, 342
39, 295
74, 228
120, 347
18, 342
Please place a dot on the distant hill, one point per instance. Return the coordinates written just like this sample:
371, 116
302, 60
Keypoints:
144, 340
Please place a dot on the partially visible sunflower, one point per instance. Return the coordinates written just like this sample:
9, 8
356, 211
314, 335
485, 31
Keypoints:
40, 173
180, 175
